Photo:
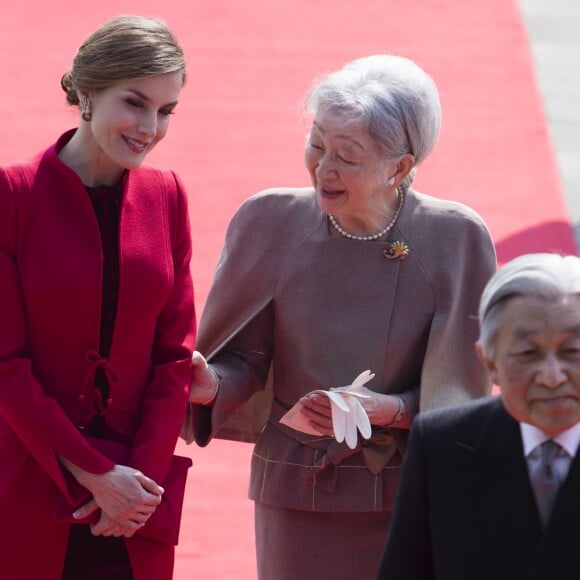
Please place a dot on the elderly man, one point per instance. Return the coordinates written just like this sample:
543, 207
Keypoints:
491, 489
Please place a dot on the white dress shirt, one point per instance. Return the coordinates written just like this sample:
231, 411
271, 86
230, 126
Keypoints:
532, 438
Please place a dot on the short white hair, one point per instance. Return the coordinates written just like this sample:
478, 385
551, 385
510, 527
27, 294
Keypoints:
394, 97
544, 275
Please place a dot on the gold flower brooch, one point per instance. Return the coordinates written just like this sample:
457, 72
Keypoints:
396, 251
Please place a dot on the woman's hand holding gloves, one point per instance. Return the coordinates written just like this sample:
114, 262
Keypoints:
340, 411
335, 412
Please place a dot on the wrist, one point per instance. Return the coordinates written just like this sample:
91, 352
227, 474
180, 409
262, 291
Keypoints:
399, 413
77, 472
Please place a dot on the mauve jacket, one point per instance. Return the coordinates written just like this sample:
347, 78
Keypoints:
297, 308
50, 300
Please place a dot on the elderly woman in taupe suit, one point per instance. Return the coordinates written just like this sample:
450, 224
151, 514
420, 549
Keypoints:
314, 286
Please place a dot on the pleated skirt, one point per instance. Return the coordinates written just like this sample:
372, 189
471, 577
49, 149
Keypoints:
293, 544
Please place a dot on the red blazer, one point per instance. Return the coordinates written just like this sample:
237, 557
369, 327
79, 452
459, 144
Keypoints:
50, 296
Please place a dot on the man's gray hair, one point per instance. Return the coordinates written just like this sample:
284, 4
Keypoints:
545, 276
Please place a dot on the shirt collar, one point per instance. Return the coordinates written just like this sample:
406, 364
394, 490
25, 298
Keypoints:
532, 437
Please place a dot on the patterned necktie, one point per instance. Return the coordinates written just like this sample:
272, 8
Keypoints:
544, 479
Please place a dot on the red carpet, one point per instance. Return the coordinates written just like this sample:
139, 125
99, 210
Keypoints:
238, 129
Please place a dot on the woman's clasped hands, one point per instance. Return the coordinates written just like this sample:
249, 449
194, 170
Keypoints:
126, 497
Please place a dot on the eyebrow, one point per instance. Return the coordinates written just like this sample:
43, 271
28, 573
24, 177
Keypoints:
146, 98
347, 137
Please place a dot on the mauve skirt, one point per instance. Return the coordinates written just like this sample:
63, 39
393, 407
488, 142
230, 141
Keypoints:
292, 544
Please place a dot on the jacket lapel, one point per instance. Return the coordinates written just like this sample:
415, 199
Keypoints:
506, 504
558, 555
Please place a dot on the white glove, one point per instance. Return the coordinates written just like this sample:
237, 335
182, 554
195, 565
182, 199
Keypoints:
347, 412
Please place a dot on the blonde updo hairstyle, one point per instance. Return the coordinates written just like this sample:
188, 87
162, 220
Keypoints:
395, 99
126, 47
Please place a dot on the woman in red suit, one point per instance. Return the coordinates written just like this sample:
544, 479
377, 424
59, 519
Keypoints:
97, 321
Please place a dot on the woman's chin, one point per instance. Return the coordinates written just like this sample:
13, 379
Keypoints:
329, 202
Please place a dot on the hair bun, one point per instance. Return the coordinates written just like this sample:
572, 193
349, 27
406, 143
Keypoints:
67, 86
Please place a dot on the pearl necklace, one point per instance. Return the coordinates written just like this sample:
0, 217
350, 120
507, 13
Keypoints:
383, 232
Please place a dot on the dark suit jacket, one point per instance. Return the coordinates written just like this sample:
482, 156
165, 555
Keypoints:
465, 508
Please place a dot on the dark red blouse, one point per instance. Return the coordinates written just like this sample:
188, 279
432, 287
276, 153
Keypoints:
107, 205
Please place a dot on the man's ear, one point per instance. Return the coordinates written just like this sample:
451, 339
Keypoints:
487, 362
